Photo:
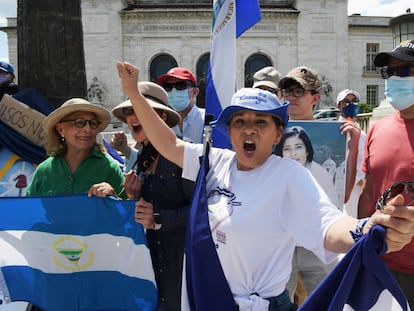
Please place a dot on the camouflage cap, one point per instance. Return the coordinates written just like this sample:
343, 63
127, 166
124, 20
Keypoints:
306, 77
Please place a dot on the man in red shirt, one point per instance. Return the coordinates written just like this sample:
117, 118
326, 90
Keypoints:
389, 152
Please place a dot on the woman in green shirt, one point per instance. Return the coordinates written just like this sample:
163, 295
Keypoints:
76, 161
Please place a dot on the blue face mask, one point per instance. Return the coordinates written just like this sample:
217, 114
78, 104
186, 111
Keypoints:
178, 100
350, 111
399, 92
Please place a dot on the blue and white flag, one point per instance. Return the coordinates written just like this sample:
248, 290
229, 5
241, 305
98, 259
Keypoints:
74, 253
206, 285
231, 18
361, 281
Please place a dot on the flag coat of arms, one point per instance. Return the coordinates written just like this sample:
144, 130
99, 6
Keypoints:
361, 281
74, 253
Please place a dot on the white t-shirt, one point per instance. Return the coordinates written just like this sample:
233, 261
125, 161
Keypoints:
325, 180
258, 216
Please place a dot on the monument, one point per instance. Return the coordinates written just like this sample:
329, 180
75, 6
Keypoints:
50, 48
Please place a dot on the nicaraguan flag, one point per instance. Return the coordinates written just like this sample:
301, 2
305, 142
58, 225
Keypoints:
231, 18
361, 281
206, 286
74, 253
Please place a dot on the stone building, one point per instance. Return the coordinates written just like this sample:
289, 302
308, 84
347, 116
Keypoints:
155, 37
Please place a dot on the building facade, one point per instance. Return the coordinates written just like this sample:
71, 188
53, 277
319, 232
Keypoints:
314, 33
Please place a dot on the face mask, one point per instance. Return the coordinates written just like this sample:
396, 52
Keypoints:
350, 111
399, 92
178, 100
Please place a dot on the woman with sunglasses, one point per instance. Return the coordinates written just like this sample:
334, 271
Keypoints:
76, 161
163, 197
255, 227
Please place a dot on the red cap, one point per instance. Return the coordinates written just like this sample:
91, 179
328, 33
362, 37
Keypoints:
179, 73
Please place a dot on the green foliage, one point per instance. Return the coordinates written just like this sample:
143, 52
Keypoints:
365, 108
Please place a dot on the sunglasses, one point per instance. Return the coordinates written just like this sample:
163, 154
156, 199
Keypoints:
347, 102
296, 92
393, 191
81, 123
400, 71
179, 86
127, 111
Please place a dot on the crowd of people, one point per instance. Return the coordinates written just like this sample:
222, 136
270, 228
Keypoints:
298, 234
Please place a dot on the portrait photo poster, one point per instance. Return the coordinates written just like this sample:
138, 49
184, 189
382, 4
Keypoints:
329, 153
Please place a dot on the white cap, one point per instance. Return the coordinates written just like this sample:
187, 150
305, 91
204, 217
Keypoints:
345, 93
267, 76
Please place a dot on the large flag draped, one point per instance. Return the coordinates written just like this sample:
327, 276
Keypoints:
231, 18
360, 281
206, 285
74, 253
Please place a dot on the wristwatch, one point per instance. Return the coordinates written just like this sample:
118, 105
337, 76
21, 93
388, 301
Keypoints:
157, 221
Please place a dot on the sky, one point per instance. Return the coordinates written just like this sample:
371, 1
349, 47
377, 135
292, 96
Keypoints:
364, 7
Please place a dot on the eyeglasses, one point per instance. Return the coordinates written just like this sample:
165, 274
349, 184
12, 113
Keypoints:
400, 71
81, 123
297, 92
179, 86
347, 102
393, 191
127, 111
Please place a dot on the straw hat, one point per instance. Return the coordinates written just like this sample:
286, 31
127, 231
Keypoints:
74, 105
157, 97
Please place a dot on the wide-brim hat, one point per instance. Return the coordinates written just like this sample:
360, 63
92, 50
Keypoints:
74, 105
404, 51
253, 99
157, 97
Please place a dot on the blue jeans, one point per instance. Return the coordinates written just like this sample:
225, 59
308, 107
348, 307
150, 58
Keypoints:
281, 303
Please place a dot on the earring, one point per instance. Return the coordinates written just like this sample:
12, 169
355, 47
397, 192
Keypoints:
62, 138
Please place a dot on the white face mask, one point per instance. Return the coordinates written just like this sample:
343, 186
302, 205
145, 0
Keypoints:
178, 100
399, 92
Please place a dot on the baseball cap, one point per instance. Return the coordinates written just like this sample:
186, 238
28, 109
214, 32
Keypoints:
306, 77
253, 99
179, 73
345, 93
404, 51
267, 76
6, 67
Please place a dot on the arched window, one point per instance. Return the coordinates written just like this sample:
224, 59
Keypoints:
253, 64
201, 73
160, 65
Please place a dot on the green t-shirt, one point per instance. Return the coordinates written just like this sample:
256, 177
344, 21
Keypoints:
53, 176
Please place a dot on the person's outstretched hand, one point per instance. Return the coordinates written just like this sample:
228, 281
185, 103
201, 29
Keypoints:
399, 220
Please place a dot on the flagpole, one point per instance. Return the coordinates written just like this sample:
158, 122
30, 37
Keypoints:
207, 131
